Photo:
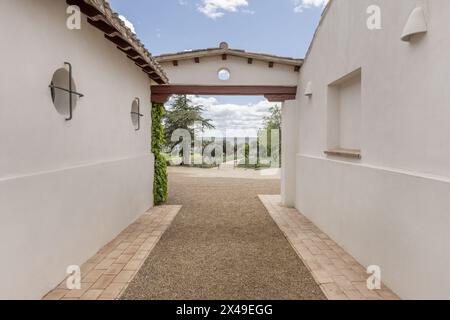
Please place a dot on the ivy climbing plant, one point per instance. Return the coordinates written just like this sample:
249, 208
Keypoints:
160, 181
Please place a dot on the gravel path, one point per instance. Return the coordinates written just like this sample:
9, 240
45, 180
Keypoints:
222, 245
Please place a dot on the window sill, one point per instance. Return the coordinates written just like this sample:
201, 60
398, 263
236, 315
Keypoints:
345, 153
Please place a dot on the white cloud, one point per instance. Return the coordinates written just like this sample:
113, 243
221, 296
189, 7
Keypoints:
300, 5
128, 23
217, 8
234, 120
247, 11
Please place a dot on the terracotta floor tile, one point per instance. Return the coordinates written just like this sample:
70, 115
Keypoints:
56, 294
87, 267
96, 259
104, 281
333, 292
112, 292
105, 264
134, 265
91, 295
115, 254
131, 250
124, 258
93, 276
77, 293
124, 277
115, 268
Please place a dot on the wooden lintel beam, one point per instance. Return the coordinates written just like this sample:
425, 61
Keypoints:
280, 97
160, 98
161, 93
226, 90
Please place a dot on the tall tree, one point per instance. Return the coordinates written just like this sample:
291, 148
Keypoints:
273, 121
183, 114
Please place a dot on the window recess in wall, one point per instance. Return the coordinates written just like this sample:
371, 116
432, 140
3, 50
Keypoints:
136, 114
344, 117
63, 91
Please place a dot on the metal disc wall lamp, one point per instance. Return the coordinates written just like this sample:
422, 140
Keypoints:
69, 90
416, 24
138, 114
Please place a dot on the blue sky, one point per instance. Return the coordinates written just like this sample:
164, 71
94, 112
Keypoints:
280, 27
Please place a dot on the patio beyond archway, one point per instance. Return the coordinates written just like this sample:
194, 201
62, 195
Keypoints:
199, 72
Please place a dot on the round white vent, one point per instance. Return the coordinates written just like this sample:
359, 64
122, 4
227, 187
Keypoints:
224, 74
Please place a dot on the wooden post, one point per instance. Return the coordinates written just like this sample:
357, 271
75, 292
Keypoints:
247, 151
257, 152
235, 151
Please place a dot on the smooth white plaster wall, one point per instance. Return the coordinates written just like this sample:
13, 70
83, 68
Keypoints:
66, 188
289, 114
205, 73
392, 208
350, 114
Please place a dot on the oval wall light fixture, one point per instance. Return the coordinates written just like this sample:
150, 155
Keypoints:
136, 114
63, 91
416, 24
308, 90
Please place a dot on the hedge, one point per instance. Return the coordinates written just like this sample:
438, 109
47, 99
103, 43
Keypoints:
160, 181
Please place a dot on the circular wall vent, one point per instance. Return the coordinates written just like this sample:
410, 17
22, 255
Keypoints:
224, 74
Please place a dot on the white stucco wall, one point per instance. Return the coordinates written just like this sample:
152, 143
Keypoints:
66, 188
350, 114
392, 208
289, 114
205, 73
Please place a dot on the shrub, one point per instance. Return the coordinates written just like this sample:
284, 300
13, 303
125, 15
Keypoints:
160, 181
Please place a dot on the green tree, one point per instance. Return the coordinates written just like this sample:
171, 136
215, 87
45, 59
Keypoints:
271, 122
182, 114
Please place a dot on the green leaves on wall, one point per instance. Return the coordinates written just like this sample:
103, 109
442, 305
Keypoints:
160, 181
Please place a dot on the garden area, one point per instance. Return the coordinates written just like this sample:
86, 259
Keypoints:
180, 138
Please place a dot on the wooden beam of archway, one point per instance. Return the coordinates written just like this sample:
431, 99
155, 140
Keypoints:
162, 93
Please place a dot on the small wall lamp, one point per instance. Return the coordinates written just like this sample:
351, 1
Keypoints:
416, 24
308, 90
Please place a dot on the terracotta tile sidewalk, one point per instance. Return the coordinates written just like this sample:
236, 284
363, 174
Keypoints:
338, 274
108, 273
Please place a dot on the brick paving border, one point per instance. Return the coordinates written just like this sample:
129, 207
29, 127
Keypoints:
337, 273
107, 274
